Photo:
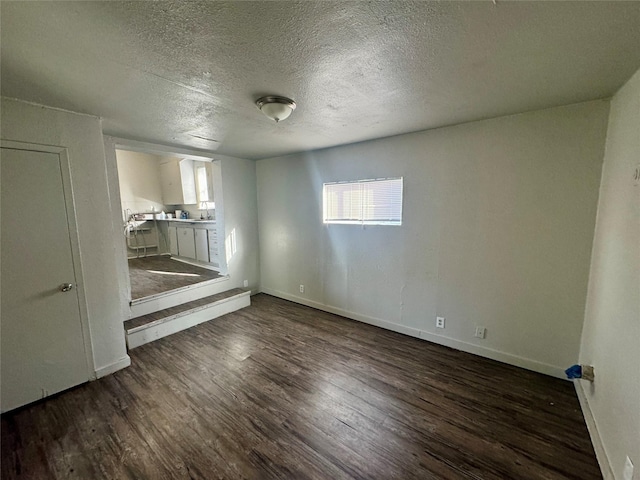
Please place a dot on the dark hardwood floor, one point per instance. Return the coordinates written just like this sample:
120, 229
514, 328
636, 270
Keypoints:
278, 390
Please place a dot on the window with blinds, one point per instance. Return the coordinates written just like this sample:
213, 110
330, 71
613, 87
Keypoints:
364, 202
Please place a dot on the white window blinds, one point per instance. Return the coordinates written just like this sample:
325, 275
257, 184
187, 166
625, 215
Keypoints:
367, 202
201, 181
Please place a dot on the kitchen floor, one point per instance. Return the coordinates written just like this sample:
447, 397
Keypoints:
160, 273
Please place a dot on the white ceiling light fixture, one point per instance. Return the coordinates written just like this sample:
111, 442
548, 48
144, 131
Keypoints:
275, 107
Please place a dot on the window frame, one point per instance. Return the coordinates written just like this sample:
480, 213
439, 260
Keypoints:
361, 203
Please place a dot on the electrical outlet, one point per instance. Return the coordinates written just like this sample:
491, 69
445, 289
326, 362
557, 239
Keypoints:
627, 474
480, 332
301, 288
439, 322
246, 283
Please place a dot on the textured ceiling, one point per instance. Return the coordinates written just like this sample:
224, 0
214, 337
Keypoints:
188, 73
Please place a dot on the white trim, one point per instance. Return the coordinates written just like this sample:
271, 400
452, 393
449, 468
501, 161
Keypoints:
49, 107
175, 323
124, 362
119, 243
383, 186
596, 440
178, 297
503, 357
74, 239
161, 149
175, 291
196, 263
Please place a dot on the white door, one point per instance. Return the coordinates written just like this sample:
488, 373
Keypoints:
42, 346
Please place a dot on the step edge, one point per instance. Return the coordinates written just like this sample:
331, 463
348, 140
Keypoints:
149, 335
170, 293
169, 318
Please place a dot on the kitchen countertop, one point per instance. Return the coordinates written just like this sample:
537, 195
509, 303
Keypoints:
188, 220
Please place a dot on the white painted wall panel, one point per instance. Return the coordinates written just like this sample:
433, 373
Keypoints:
611, 336
139, 178
497, 231
236, 209
98, 238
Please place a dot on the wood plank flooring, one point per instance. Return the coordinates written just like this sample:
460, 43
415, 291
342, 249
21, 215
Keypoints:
279, 390
160, 273
168, 312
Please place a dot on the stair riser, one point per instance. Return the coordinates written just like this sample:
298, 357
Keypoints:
189, 320
188, 294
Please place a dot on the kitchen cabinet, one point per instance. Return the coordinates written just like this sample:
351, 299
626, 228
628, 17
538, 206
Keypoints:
214, 259
173, 240
202, 245
196, 241
178, 182
186, 242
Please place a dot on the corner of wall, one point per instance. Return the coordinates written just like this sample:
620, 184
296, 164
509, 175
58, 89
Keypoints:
113, 367
610, 337
594, 433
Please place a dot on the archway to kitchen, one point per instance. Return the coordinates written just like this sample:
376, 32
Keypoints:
172, 218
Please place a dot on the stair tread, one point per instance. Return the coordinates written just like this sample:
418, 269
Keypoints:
168, 312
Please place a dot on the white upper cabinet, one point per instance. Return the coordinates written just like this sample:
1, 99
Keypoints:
177, 178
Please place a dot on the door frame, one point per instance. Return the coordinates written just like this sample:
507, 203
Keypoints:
74, 238
111, 144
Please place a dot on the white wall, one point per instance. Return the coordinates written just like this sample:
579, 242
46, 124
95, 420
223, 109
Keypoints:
237, 207
139, 177
82, 136
497, 232
611, 335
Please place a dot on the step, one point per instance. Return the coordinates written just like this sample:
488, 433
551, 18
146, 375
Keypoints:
152, 326
164, 300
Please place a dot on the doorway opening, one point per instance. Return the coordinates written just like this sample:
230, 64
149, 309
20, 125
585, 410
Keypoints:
172, 217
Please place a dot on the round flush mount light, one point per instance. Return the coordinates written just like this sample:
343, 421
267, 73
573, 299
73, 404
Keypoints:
276, 108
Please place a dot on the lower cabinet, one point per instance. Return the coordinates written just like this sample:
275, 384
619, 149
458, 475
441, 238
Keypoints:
195, 242
213, 247
202, 245
186, 242
173, 240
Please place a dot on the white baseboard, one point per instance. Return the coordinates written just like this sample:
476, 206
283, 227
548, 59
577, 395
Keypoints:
124, 362
596, 440
176, 323
504, 357
497, 355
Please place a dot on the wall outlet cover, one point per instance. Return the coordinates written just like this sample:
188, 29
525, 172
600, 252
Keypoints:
440, 322
301, 288
246, 283
480, 332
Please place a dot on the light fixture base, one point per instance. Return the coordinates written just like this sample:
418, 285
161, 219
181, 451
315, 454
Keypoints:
275, 107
